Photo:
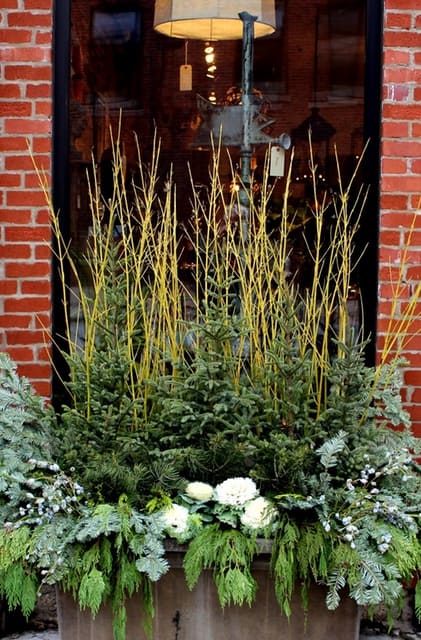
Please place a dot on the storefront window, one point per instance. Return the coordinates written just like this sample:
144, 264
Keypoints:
124, 74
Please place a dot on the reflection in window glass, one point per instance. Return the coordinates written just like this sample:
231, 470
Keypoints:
125, 78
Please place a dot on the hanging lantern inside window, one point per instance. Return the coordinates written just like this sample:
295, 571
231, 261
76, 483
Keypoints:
209, 21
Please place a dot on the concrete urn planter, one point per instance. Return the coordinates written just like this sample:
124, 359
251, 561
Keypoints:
181, 614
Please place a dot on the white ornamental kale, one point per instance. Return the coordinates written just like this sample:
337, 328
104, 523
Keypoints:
235, 491
258, 513
176, 519
199, 491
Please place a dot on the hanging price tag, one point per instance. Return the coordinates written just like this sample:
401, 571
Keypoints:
277, 161
185, 77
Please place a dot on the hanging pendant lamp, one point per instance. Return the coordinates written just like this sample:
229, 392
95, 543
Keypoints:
212, 19
320, 129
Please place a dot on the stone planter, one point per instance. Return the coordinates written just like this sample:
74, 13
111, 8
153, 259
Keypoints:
181, 614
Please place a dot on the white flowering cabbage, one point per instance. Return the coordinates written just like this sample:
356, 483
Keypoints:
235, 491
258, 513
176, 519
199, 491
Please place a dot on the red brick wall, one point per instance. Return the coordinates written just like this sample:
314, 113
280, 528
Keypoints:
401, 179
25, 129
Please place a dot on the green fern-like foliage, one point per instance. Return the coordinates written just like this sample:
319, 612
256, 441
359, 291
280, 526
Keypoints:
112, 553
18, 581
229, 554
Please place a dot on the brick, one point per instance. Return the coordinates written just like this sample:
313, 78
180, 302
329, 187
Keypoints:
404, 5
397, 202
28, 19
414, 344
401, 111
13, 143
15, 252
35, 91
393, 129
412, 377
36, 287
401, 75
397, 92
415, 396
27, 270
30, 234
32, 179
16, 36
41, 145
25, 72
397, 20
416, 427
42, 320
21, 354
19, 162
390, 238
43, 388
9, 90
416, 166
37, 162
43, 252
15, 109
401, 148
43, 108
43, 351
38, 5
410, 39
25, 198
13, 320
26, 304
43, 37
8, 287
415, 202
10, 180
24, 54
34, 371
415, 413
394, 165
43, 217
395, 292
28, 126
24, 337
12, 216
401, 183
390, 273
388, 255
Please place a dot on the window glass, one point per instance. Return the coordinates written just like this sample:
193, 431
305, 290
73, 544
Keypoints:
127, 79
